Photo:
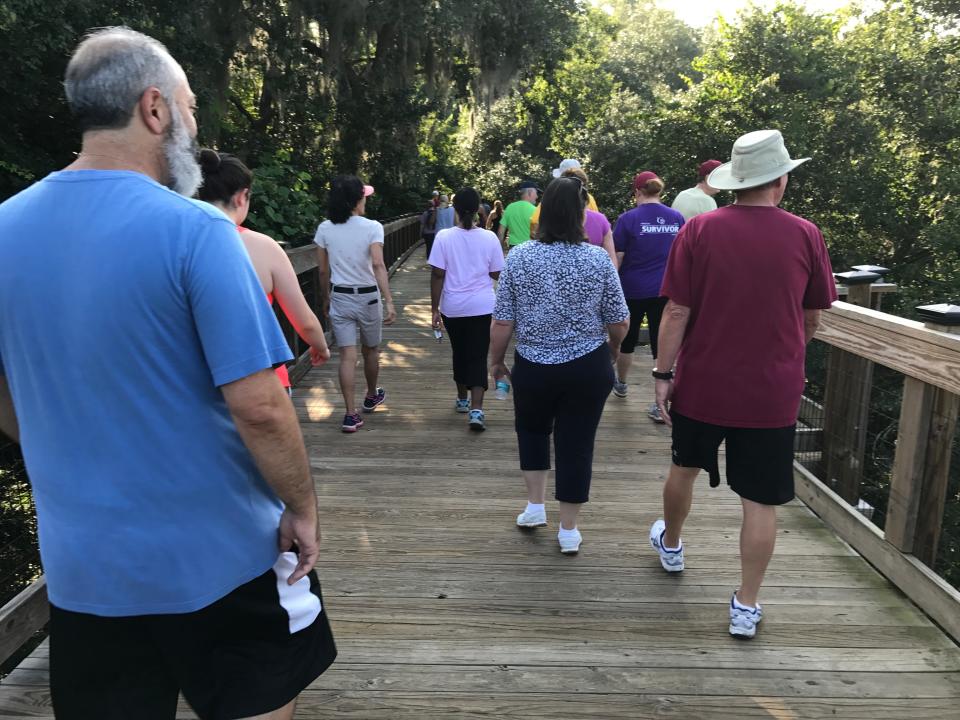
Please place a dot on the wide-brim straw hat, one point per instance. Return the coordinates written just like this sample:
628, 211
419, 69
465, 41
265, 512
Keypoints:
757, 158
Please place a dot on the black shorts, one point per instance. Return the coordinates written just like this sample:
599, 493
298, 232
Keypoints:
249, 653
759, 460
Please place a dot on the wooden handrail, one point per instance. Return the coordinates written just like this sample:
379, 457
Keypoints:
929, 359
903, 345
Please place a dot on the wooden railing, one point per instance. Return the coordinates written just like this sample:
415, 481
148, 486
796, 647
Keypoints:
29, 611
928, 356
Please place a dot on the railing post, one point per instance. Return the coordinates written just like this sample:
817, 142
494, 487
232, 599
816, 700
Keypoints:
847, 404
921, 471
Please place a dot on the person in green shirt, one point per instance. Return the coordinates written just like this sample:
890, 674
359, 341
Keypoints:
515, 224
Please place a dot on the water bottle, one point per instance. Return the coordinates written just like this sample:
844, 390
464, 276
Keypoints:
438, 334
503, 389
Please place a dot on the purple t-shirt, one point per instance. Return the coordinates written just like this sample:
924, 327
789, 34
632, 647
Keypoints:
644, 236
596, 226
467, 258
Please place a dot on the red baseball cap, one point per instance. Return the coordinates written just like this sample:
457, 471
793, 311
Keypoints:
643, 178
707, 167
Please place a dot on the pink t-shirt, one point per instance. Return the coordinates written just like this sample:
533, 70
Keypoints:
747, 274
596, 226
467, 257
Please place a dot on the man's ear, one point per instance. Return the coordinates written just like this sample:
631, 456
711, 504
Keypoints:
153, 111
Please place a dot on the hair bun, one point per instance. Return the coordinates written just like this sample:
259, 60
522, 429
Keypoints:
209, 160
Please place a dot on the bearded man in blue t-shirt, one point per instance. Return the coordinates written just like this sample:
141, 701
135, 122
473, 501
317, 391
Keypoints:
177, 516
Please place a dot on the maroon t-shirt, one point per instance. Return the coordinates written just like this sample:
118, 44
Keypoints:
747, 274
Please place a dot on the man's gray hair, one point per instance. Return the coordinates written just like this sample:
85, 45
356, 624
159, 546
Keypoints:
109, 72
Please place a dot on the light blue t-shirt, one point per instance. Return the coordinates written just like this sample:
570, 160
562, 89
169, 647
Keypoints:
445, 218
123, 308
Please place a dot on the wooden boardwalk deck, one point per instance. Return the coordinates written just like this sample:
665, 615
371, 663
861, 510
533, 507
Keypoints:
443, 609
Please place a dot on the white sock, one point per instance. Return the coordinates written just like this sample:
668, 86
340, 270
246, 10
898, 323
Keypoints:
535, 508
664, 545
741, 606
564, 533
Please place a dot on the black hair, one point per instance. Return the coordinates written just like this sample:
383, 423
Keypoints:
466, 203
345, 192
561, 211
224, 175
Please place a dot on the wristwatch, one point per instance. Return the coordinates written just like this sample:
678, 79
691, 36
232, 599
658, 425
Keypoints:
668, 375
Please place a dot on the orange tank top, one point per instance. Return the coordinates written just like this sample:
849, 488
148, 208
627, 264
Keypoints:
282, 369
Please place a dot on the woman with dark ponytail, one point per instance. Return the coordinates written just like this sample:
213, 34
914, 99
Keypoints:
226, 184
465, 261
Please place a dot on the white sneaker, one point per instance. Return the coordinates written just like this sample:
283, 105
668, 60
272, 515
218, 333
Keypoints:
744, 620
462, 406
570, 544
672, 560
619, 388
653, 412
532, 519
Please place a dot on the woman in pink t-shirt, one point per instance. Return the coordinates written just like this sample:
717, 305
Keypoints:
595, 223
226, 184
465, 261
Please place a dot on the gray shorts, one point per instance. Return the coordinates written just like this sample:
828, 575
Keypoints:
349, 312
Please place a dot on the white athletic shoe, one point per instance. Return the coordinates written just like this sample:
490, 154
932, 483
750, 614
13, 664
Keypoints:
570, 545
672, 560
532, 519
743, 620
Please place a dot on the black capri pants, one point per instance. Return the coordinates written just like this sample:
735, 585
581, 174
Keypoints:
653, 309
566, 400
470, 342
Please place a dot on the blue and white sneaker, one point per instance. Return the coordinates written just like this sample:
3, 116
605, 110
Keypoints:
476, 421
351, 422
463, 405
370, 402
743, 618
672, 560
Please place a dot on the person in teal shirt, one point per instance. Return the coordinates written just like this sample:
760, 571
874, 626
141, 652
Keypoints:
515, 224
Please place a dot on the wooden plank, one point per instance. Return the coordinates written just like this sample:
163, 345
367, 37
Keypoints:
906, 480
22, 617
903, 345
933, 594
933, 493
847, 407
303, 258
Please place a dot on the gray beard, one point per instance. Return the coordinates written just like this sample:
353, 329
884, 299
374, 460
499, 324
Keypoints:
180, 151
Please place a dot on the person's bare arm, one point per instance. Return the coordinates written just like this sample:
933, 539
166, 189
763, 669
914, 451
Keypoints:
286, 290
500, 332
611, 251
437, 276
8, 416
383, 282
323, 268
502, 234
615, 334
268, 426
619, 260
673, 327
811, 322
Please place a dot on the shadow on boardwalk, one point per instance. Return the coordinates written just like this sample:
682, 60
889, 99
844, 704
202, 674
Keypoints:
443, 609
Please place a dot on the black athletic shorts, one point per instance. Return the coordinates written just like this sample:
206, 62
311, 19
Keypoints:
759, 460
249, 653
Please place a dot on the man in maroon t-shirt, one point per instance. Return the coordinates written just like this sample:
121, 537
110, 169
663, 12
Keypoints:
746, 285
